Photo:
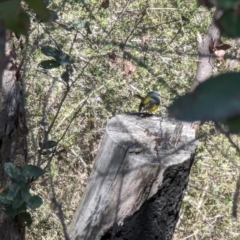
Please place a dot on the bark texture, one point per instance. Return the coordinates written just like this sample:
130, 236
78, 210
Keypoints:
138, 181
13, 147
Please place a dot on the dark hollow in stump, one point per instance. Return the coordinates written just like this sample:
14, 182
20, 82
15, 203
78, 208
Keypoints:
138, 181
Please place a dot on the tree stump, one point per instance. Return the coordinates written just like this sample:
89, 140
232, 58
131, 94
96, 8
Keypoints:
137, 184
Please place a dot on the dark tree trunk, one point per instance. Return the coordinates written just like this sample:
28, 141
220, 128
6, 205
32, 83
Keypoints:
13, 147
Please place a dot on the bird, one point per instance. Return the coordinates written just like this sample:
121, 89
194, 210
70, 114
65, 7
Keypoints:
150, 103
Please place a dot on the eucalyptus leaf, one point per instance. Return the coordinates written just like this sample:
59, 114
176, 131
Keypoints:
32, 171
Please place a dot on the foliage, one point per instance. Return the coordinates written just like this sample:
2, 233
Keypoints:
111, 52
217, 98
17, 196
20, 23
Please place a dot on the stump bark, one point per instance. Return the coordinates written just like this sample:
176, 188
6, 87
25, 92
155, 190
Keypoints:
137, 184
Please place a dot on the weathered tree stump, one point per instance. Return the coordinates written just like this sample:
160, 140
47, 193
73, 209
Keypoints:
138, 181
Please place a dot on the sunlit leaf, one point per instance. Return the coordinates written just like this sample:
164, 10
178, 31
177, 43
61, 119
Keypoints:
32, 171
39, 8
215, 99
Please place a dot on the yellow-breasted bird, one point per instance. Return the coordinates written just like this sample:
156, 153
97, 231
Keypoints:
149, 103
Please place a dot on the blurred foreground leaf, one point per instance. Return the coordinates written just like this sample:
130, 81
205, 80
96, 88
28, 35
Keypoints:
229, 23
216, 99
39, 8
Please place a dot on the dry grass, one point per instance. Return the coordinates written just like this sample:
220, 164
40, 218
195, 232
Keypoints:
99, 90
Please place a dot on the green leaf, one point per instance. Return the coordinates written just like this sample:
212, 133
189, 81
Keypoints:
20, 22
18, 201
60, 56
22, 208
26, 217
49, 144
35, 202
229, 24
11, 170
48, 64
63, 58
49, 51
226, 3
215, 99
32, 171
39, 8
65, 76
10, 211
233, 124
3, 198
25, 193
13, 191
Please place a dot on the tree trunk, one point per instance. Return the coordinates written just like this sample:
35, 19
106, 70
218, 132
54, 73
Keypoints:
13, 147
138, 181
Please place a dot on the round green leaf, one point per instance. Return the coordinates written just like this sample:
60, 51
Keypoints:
229, 24
217, 98
32, 171
35, 202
